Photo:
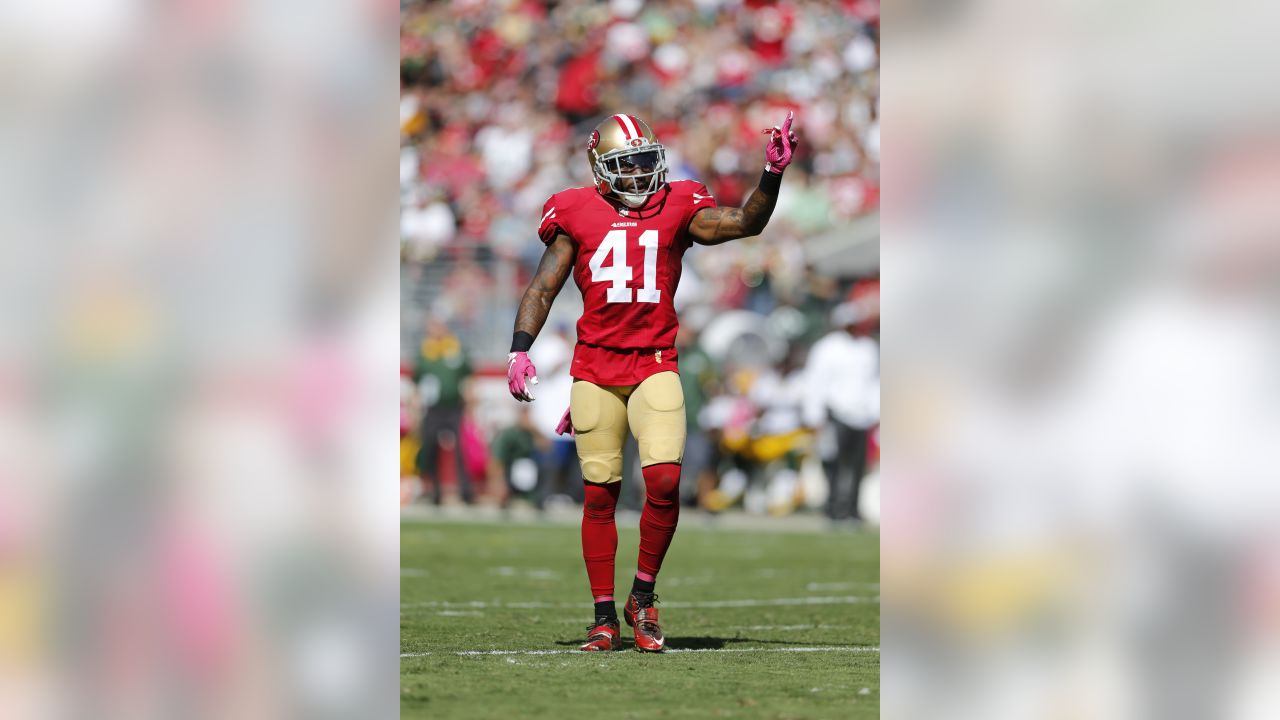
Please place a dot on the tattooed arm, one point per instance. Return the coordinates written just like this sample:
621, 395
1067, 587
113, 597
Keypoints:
712, 226
553, 270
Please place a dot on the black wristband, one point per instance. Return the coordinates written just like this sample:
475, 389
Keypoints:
770, 183
521, 341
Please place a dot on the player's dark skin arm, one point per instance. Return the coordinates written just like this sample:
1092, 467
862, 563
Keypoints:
712, 226
553, 270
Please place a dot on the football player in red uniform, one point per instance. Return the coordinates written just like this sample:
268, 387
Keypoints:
623, 241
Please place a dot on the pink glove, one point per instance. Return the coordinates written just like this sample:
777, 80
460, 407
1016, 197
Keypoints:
782, 143
518, 368
566, 425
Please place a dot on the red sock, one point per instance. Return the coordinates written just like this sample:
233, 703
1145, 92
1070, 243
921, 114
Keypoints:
599, 535
660, 514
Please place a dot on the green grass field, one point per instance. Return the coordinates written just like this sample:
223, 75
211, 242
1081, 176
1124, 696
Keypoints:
760, 624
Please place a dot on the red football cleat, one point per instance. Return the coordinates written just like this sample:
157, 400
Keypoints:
643, 616
604, 636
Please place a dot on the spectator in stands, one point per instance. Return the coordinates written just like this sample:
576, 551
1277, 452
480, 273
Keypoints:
492, 91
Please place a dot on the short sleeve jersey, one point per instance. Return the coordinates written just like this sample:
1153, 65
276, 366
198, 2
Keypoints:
628, 262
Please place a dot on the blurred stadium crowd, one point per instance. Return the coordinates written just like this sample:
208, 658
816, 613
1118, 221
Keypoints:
497, 99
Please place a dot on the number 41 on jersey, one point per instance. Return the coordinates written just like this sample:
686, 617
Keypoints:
619, 273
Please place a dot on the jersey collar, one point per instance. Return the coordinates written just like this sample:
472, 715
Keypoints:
652, 206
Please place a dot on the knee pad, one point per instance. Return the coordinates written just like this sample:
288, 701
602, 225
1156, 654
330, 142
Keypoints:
600, 471
663, 450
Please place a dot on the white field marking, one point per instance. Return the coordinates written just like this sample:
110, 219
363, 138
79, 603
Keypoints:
435, 603
459, 613
413, 572
839, 649
788, 627
530, 573
811, 600
765, 602
691, 580
816, 587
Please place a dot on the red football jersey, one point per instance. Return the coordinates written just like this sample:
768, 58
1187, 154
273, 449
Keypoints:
628, 264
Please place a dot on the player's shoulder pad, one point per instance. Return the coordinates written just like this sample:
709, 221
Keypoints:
571, 197
692, 192
688, 187
555, 209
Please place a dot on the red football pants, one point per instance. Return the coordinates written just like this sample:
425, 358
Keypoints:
599, 535
660, 515
657, 525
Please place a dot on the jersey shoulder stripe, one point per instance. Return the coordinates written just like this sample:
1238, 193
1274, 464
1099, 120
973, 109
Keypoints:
691, 189
556, 209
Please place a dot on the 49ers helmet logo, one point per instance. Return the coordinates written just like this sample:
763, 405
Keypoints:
637, 142
594, 141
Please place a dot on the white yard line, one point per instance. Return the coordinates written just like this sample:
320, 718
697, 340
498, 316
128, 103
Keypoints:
530, 573
675, 604
840, 649
817, 587
788, 627
811, 600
